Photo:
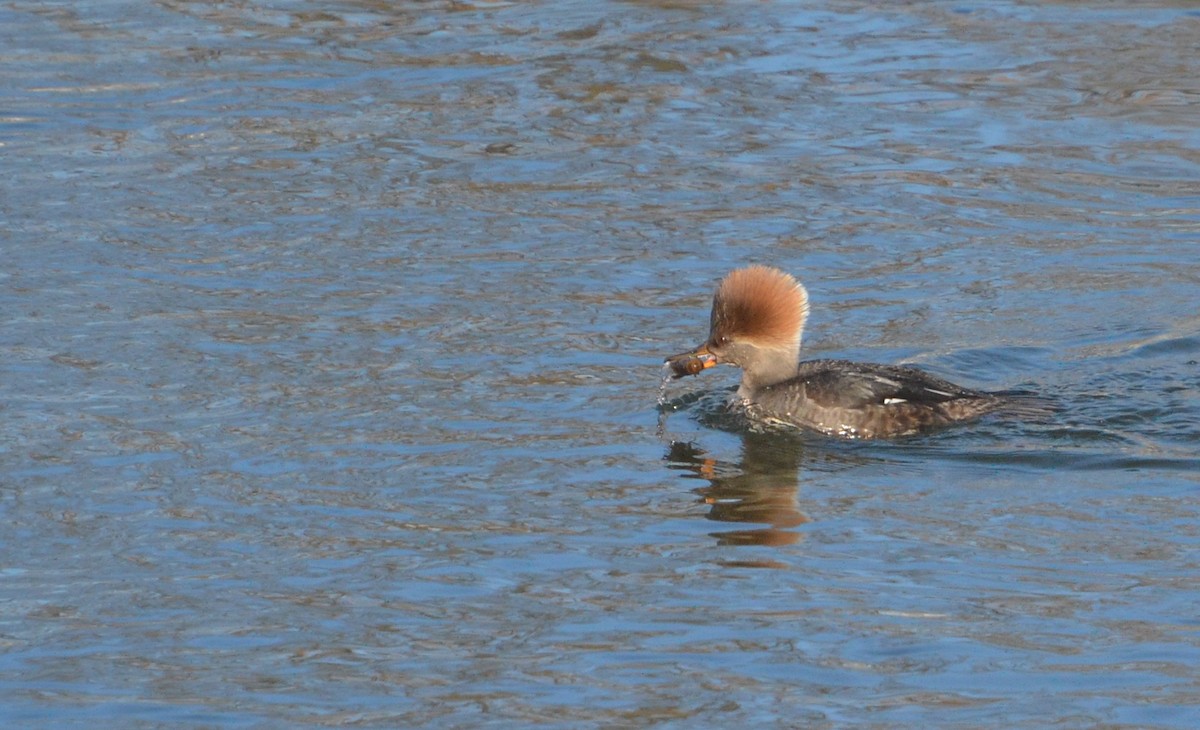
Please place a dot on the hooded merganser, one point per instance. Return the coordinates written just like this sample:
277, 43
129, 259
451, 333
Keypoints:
758, 316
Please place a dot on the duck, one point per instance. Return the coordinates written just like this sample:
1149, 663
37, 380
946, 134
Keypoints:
756, 324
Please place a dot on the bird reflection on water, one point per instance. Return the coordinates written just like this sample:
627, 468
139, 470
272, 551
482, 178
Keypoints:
762, 488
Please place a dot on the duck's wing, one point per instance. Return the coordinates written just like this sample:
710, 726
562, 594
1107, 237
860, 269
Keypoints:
845, 384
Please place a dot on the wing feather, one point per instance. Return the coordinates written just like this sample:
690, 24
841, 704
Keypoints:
844, 384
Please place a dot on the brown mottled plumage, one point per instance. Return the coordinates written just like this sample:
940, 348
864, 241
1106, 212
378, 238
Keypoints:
758, 318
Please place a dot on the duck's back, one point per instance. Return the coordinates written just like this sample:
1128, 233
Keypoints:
866, 400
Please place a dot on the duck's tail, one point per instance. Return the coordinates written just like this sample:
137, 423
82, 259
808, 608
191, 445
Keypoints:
1028, 405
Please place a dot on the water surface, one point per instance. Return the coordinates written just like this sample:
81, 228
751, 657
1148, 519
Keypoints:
332, 344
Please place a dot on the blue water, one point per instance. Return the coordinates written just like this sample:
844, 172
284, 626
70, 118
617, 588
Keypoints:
330, 375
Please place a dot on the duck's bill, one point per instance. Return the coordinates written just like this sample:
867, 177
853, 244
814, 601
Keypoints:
691, 363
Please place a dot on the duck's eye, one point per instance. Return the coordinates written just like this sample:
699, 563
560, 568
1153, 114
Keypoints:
720, 341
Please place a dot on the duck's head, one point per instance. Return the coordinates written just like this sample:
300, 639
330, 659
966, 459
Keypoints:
758, 316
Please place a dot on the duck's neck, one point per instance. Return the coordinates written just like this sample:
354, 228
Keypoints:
769, 367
